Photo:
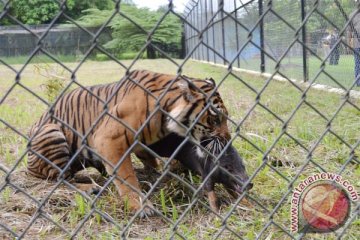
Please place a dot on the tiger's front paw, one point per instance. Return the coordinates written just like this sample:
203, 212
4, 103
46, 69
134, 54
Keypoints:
133, 203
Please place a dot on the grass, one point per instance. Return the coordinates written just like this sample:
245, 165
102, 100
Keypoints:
67, 207
38, 59
292, 67
95, 56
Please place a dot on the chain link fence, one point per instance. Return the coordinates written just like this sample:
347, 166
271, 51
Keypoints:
62, 40
272, 39
285, 132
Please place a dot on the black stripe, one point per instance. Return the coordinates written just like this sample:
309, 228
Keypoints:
83, 125
143, 77
133, 86
74, 121
168, 82
48, 132
135, 72
94, 104
153, 79
107, 89
191, 110
127, 139
58, 155
142, 132
77, 111
128, 86
56, 141
199, 123
216, 100
151, 86
185, 122
57, 111
74, 143
116, 95
161, 89
37, 141
67, 110
86, 99
147, 115
62, 101
206, 88
174, 101
98, 96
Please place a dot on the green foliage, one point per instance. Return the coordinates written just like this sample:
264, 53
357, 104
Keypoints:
53, 87
163, 202
76, 7
175, 214
34, 11
128, 37
55, 80
43, 11
290, 11
6, 193
80, 205
81, 208
331, 10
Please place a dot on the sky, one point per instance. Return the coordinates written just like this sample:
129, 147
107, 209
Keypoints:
154, 4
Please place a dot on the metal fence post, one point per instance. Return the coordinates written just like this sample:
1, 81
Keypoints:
213, 29
262, 45
207, 31
305, 63
237, 34
198, 26
183, 49
193, 32
202, 28
221, 7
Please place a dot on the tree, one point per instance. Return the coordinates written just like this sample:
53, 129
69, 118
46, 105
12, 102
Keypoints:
43, 11
76, 7
34, 11
128, 37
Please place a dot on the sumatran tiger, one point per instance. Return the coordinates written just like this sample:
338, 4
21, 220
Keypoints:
100, 125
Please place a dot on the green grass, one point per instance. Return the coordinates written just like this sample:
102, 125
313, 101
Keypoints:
292, 67
69, 58
38, 59
289, 66
21, 109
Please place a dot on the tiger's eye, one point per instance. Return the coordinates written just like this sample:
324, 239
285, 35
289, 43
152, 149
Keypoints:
217, 120
214, 120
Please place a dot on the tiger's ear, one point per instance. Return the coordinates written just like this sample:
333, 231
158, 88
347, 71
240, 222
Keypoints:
211, 81
188, 89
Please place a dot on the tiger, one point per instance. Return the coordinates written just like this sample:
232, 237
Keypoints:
102, 124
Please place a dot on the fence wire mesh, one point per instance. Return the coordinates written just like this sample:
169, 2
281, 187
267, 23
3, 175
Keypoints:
284, 132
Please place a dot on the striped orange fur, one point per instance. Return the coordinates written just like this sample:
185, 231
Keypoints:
98, 125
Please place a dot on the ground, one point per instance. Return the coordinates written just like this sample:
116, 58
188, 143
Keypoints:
324, 124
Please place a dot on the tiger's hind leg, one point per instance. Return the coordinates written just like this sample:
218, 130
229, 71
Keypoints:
50, 143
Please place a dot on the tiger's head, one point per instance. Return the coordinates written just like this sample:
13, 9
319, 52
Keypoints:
203, 112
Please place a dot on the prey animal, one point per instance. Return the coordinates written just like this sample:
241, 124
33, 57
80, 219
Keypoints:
231, 172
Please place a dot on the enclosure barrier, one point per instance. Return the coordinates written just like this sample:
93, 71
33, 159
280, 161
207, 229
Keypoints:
16, 41
255, 35
292, 37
